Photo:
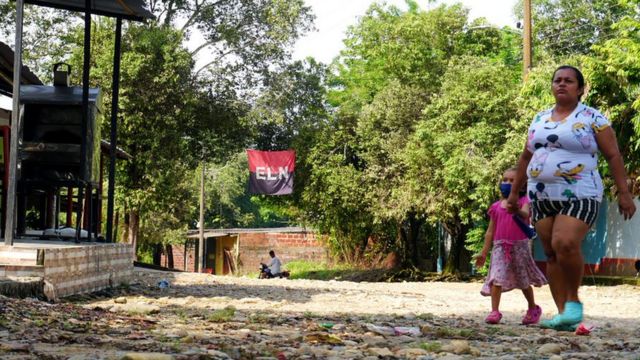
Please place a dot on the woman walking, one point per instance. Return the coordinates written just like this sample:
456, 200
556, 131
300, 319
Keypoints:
565, 188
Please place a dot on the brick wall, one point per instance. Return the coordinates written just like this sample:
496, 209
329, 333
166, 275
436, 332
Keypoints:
254, 248
178, 257
75, 270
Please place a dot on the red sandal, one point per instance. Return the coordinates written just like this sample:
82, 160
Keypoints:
532, 316
494, 317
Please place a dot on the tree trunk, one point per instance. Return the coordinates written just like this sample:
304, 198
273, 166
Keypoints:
125, 232
132, 229
169, 256
458, 232
157, 254
409, 234
363, 246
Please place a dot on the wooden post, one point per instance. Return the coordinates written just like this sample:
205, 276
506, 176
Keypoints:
201, 254
113, 131
527, 59
69, 206
10, 215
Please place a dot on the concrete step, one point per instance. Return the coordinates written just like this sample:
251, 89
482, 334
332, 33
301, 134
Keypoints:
22, 287
11, 270
20, 256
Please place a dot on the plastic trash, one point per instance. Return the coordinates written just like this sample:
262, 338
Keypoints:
583, 329
381, 330
407, 330
163, 284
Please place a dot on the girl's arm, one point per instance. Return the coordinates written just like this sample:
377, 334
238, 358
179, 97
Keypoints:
488, 240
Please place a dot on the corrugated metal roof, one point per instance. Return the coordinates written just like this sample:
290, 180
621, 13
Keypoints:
126, 9
6, 71
209, 233
56, 95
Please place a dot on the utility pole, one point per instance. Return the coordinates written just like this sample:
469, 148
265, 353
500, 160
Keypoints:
527, 39
201, 256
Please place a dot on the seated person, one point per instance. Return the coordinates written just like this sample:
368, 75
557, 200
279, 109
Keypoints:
274, 265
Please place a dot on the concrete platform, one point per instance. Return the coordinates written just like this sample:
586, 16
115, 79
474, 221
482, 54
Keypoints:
64, 268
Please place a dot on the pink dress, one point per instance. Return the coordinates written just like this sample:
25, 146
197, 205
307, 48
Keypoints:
512, 265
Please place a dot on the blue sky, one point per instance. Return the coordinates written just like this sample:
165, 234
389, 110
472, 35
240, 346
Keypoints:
334, 16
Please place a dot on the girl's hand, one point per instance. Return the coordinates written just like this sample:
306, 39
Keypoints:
480, 259
626, 205
512, 203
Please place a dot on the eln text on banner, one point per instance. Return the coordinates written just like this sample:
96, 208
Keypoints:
271, 172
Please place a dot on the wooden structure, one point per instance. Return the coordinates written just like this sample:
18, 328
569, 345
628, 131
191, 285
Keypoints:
66, 268
122, 9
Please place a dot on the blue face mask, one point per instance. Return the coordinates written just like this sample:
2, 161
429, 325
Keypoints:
505, 189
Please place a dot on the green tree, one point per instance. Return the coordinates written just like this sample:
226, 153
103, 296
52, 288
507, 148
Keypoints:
457, 152
382, 132
48, 35
172, 115
613, 74
565, 27
243, 39
155, 97
392, 69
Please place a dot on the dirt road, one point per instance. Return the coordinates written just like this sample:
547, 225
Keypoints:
208, 317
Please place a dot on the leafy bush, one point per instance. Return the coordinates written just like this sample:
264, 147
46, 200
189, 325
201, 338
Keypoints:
475, 242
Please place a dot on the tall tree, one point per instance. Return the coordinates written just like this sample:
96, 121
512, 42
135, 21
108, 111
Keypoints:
391, 70
613, 74
173, 115
242, 38
566, 27
456, 156
47, 36
156, 97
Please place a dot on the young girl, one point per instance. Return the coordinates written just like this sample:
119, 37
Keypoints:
512, 265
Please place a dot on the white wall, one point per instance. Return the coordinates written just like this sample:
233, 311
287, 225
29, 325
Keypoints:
623, 237
6, 102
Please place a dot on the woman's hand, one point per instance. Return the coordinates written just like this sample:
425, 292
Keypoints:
512, 203
626, 206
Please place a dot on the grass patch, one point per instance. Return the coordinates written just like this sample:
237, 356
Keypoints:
432, 346
447, 332
222, 315
302, 269
259, 317
309, 315
425, 316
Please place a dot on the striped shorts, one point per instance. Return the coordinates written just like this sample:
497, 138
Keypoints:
583, 209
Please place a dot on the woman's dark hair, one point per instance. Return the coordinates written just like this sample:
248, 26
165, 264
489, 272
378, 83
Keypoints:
578, 73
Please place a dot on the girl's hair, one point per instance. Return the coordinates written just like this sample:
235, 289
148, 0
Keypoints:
578, 73
513, 168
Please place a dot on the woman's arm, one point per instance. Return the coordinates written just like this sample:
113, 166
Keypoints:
608, 145
523, 212
521, 177
488, 240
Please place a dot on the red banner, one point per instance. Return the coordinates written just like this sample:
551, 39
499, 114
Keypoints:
271, 172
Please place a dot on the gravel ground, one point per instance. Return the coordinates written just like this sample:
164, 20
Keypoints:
201, 316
